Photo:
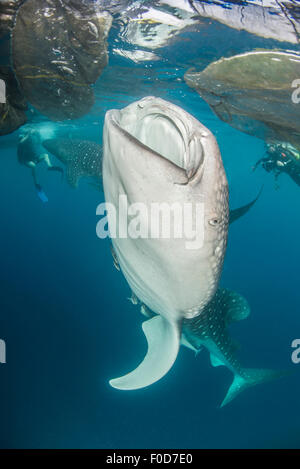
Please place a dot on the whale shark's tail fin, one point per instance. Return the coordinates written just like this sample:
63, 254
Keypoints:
250, 377
163, 339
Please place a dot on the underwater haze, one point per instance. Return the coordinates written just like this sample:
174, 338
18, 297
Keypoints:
65, 317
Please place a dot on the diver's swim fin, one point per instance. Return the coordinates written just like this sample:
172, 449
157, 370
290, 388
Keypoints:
163, 339
41, 194
239, 212
250, 377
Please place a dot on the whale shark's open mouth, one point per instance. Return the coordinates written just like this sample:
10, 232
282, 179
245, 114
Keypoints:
163, 130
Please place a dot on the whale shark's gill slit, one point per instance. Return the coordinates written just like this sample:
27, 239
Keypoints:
182, 183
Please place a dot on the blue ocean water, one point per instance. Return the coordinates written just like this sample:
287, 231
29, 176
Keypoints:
66, 319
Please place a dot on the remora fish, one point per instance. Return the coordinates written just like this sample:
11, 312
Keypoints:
154, 151
209, 330
82, 158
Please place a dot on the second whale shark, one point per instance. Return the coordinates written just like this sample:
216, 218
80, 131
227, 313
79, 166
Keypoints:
82, 158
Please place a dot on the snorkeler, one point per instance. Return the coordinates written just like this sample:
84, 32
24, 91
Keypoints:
281, 158
31, 153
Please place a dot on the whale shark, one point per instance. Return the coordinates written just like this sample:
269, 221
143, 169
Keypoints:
155, 152
82, 158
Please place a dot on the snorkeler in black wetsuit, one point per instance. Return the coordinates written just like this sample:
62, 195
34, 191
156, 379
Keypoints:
30, 153
281, 158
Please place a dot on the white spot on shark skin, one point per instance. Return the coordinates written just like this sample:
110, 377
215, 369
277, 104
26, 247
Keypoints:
147, 155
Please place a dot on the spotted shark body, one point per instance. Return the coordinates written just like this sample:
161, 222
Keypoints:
82, 158
210, 331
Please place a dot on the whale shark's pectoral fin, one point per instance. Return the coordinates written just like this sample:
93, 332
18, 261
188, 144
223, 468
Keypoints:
72, 176
215, 361
237, 213
163, 339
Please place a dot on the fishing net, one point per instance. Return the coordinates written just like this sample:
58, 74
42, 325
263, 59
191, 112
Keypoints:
59, 50
254, 93
12, 111
8, 9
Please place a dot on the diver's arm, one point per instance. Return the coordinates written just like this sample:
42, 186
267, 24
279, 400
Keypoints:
51, 167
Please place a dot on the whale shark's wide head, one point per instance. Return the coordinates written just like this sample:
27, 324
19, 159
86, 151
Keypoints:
158, 155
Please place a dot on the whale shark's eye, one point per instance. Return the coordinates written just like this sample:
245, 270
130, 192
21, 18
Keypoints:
214, 221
